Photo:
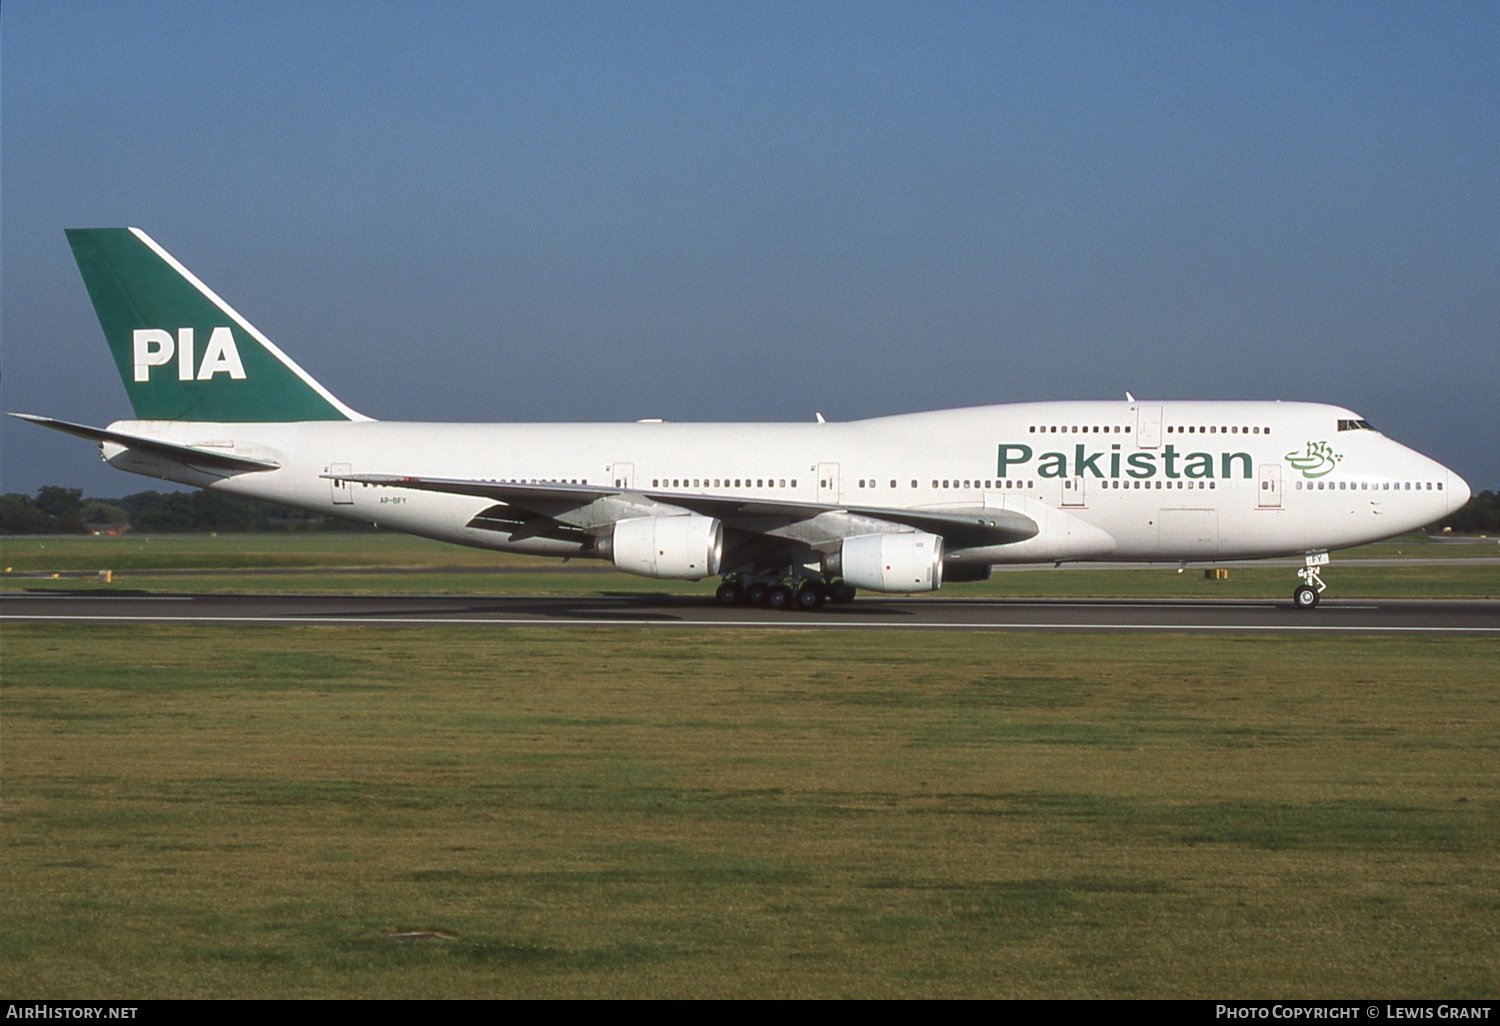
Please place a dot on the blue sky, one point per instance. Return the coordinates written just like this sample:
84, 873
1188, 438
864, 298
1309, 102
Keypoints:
755, 211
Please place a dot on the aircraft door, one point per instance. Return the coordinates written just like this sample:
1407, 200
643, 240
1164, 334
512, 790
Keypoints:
1270, 486
343, 494
1148, 427
622, 474
828, 483
1072, 491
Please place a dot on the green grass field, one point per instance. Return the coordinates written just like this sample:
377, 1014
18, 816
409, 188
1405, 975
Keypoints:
214, 811
194, 811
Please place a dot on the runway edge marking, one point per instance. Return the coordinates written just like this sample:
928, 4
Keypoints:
330, 621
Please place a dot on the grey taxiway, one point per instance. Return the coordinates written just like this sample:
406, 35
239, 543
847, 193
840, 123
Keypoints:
1370, 616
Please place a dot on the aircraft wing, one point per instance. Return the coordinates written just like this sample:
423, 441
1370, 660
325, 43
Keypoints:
172, 450
960, 529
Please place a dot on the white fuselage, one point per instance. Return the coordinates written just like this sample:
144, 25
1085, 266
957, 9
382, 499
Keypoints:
1103, 480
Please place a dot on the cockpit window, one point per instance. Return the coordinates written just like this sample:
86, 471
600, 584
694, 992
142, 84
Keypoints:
1356, 425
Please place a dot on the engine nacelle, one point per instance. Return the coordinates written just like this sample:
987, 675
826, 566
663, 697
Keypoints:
890, 562
687, 547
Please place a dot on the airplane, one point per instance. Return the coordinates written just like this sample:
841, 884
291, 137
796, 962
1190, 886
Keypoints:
789, 515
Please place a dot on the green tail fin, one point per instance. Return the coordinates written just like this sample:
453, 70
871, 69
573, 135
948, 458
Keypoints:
183, 353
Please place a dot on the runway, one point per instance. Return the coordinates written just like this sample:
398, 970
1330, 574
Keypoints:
1362, 616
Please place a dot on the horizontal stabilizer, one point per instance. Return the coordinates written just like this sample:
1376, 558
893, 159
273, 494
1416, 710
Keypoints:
172, 450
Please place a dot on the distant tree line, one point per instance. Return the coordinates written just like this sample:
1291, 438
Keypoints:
56, 510
1480, 515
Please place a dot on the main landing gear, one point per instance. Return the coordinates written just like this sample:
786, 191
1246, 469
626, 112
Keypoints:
785, 591
1308, 593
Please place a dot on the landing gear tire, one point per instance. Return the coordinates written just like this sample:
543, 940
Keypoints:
779, 597
840, 592
756, 595
729, 594
1305, 597
809, 597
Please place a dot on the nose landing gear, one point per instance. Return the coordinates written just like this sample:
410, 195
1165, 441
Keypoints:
1307, 594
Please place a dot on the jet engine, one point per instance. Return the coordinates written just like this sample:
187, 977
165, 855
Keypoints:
907, 562
688, 547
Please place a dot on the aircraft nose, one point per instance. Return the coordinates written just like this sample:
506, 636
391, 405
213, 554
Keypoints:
1458, 491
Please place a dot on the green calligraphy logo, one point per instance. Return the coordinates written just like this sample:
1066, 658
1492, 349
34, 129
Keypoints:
1318, 460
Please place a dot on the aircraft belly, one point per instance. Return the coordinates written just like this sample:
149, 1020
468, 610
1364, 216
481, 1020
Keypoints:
1188, 533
